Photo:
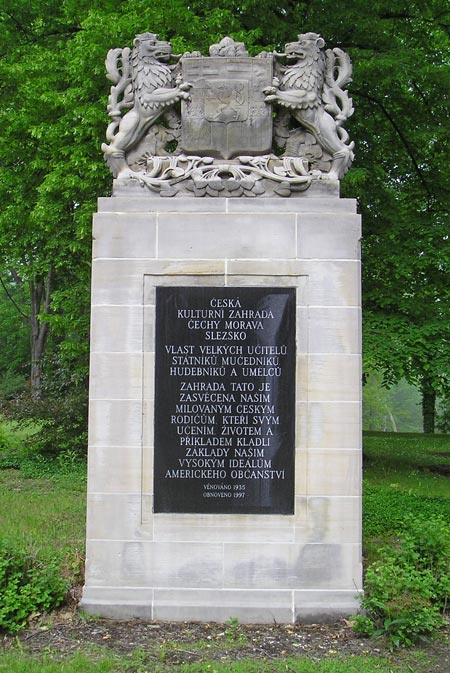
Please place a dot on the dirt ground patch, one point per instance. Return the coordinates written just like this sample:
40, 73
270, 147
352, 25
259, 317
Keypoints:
174, 643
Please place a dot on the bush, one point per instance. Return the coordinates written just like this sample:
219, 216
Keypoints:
27, 585
407, 589
60, 420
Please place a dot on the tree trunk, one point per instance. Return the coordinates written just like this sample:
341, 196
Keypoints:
40, 306
428, 406
392, 419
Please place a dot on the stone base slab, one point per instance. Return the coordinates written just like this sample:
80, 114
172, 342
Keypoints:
249, 607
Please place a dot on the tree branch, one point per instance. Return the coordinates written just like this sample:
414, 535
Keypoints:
12, 300
30, 36
18, 24
402, 137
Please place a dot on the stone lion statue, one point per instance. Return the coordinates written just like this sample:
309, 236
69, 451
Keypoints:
309, 87
144, 84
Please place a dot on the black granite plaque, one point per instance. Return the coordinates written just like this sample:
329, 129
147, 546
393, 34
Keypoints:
225, 400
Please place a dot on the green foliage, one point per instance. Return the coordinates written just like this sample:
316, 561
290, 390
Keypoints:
385, 509
233, 631
61, 421
5, 441
21, 449
406, 590
67, 464
27, 585
399, 480
10, 445
299, 665
20, 662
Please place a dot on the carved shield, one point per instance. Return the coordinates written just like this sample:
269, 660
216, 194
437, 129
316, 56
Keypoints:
227, 115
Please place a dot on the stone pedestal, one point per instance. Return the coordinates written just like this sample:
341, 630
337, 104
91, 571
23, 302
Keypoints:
304, 566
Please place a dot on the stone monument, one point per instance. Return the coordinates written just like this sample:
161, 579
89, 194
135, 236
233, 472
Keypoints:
225, 395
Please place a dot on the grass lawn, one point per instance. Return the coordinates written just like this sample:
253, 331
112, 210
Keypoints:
408, 462
97, 663
46, 513
404, 474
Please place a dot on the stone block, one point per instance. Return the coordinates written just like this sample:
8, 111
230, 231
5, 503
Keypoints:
227, 528
136, 563
324, 607
334, 472
329, 236
328, 566
114, 469
114, 516
328, 519
147, 484
312, 204
148, 379
220, 605
119, 328
331, 329
144, 203
334, 425
333, 283
196, 236
161, 271
272, 566
268, 268
302, 379
123, 235
333, 377
263, 281
148, 336
186, 278
281, 566
115, 422
118, 603
302, 329
148, 412
116, 376
117, 281
301, 423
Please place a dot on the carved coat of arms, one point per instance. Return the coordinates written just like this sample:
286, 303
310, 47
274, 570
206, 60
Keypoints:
226, 114
225, 125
